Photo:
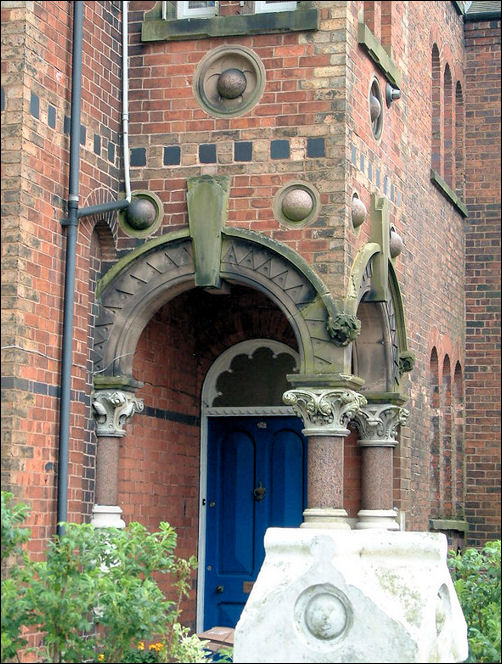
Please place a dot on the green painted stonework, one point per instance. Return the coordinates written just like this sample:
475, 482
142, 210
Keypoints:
379, 233
448, 192
207, 201
378, 54
154, 28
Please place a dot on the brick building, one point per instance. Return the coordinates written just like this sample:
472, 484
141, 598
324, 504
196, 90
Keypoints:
303, 235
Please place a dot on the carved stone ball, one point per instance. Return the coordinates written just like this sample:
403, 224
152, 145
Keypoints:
297, 204
325, 616
358, 211
395, 244
375, 108
141, 213
231, 83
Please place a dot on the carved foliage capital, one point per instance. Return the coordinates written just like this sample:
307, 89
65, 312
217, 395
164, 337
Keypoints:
378, 423
324, 412
112, 409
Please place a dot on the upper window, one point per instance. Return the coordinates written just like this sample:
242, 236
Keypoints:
261, 7
196, 9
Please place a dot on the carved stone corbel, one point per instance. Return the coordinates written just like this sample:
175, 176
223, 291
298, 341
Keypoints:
112, 409
325, 412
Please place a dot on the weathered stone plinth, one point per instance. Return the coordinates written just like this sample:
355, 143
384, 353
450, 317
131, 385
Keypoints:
338, 596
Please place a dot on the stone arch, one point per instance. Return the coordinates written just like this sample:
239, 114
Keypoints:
380, 352
144, 280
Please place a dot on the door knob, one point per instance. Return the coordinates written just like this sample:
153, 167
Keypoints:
219, 589
259, 492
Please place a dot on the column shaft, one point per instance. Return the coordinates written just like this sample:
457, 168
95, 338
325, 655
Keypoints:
107, 463
325, 472
377, 478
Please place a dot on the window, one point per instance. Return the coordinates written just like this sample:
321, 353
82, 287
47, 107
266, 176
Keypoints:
262, 7
195, 9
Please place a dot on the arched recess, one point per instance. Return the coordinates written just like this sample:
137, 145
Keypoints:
380, 353
147, 278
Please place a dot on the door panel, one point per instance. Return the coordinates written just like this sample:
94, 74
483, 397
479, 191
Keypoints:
256, 478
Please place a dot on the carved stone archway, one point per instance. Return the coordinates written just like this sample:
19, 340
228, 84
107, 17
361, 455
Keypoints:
138, 285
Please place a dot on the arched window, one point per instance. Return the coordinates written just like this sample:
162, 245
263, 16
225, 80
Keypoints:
446, 456
434, 432
448, 127
458, 430
459, 141
436, 111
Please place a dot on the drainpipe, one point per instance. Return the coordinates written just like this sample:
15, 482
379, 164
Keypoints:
74, 214
71, 245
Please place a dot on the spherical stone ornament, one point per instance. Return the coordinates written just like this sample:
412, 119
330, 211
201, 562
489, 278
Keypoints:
395, 244
325, 616
375, 108
231, 83
141, 213
359, 211
297, 204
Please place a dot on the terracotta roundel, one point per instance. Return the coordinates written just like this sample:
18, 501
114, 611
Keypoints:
229, 81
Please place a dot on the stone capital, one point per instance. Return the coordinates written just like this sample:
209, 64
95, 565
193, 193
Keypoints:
377, 424
112, 409
324, 412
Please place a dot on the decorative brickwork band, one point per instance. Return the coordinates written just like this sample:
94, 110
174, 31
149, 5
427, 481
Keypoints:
325, 412
377, 424
112, 409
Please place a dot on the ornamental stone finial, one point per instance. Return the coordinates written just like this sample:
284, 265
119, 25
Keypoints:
112, 409
377, 424
325, 412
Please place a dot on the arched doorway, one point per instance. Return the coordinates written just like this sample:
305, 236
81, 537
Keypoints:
253, 472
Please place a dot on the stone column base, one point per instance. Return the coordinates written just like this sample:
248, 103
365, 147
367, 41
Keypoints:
107, 516
384, 519
331, 596
325, 517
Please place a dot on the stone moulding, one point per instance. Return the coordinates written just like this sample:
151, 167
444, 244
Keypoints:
162, 268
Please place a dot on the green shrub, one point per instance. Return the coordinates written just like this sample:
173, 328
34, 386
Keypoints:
476, 576
95, 597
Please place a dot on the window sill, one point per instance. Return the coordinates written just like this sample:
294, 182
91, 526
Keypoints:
155, 28
449, 524
448, 193
378, 54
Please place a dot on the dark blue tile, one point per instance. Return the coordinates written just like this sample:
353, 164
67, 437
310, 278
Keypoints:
207, 153
243, 151
172, 155
97, 144
138, 157
279, 149
35, 105
51, 117
316, 147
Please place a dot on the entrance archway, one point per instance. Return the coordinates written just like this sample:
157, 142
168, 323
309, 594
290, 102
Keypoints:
248, 437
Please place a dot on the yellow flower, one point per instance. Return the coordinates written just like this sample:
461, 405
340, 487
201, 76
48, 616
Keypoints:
141, 645
101, 657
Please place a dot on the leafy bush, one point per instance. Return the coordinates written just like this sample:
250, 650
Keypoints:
476, 576
95, 597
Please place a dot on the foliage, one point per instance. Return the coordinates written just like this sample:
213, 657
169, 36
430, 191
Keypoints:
15, 612
476, 576
95, 597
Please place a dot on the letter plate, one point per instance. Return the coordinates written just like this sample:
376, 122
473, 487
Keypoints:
247, 586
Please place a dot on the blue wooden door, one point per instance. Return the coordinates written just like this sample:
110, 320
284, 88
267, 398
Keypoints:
256, 478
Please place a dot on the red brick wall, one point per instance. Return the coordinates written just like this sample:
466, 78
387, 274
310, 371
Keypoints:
482, 370
36, 76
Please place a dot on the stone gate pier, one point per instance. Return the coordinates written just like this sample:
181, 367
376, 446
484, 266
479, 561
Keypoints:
352, 596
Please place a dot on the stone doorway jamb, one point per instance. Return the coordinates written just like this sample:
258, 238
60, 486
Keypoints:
112, 408
325, 413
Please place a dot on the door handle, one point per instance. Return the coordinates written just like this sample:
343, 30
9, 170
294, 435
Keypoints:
259, 492
220, 589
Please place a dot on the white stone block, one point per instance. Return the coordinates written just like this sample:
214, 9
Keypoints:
358, 596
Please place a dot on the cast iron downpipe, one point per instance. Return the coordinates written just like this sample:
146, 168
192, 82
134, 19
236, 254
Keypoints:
71, 223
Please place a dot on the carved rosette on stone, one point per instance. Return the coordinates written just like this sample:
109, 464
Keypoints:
378, 423
325, 411
112, 409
